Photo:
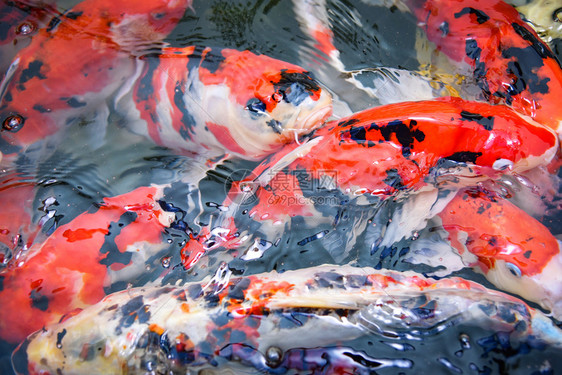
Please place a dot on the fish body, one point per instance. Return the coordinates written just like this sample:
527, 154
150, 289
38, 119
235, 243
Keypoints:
516, 252
212, 101
274, 323
379, 153
508, 60
50, 81
71, 268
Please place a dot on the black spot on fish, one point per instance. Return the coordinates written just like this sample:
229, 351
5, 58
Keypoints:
481, 210
405, 134
481, 17
39, 108
275, 125
426, 312
527, 254
486, 122
369, 363
237, 290
295, 87
2, 277
194, 291
464, 156
133, 310
523, 68
39, 301
145, 89
538, 45
73, 15
53, 23
357, 281
188, 122
349, 122
60, 336
358, 134
393, 179
33, 70
110, 248
329, 280
212, 299
74, 103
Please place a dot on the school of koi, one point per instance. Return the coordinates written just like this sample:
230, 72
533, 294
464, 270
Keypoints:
442, 154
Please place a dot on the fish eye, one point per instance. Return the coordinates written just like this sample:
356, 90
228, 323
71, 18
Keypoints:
255, 105
515, 271
13, 123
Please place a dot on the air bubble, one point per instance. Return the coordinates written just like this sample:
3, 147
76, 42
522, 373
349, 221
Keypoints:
465, 340
25, 28
273, 356
166, 262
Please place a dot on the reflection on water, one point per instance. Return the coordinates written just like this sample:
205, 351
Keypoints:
382, 48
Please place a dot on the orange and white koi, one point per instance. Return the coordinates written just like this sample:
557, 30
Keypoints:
386, 150
297, 322
212, 101
513, 250
71, 268
509, 62
50, 81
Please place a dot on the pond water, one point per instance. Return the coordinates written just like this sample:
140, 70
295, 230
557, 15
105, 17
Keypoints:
98, 157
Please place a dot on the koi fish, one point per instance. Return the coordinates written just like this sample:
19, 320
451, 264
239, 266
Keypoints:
295, 322
388, 150
509, 62
71, 268
50, 81
211, 101
512, 249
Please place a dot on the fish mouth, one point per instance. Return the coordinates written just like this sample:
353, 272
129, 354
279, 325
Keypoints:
310, 120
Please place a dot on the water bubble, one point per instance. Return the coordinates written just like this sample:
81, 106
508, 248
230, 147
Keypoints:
415, 235
273, 356
25, 28
13, 123
166, 262
465, 340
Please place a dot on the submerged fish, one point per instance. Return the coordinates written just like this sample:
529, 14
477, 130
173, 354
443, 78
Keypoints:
510, 63
72, 267
379, 152
297, 322
51, 81
513, 250
211, 101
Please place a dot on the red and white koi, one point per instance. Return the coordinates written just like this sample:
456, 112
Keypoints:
70, 269
509, 62
513, 250
386, 150
214, 101
294, 322
50, 82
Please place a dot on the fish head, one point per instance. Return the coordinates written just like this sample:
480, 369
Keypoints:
513, 250
257, 103
544, 287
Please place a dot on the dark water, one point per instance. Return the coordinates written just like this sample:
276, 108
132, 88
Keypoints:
79, 174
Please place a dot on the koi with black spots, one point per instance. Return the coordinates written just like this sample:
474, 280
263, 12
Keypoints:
297, 322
